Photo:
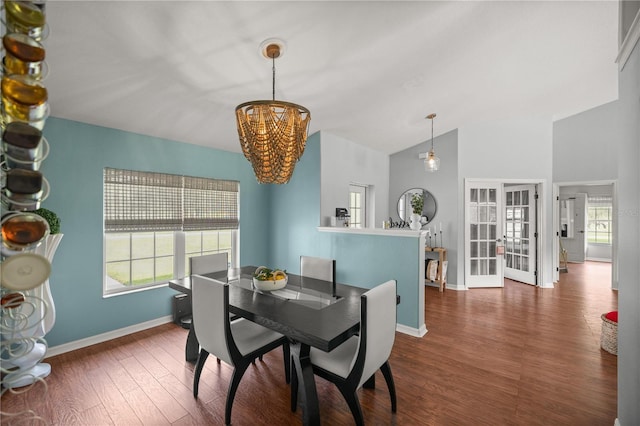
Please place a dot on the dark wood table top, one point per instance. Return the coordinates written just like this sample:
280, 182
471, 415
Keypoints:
323, 326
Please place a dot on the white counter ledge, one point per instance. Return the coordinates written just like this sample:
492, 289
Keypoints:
393, 232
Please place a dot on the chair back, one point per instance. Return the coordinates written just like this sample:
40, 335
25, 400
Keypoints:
208, 263
377, 327
319, 268
210, 305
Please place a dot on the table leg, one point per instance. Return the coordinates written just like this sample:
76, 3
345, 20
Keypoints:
308, 396
192, 347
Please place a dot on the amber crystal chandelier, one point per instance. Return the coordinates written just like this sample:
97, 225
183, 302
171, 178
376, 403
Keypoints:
272, 133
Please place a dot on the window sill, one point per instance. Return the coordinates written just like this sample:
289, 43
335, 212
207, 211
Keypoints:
129, 290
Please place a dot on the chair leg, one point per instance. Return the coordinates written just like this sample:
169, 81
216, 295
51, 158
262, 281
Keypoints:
286, 352
196, 376
238, 372
351, 397
294, 387
388, 377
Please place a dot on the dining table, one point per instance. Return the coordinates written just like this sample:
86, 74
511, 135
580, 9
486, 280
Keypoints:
303, 310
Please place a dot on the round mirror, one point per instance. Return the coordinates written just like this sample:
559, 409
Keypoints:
429, 207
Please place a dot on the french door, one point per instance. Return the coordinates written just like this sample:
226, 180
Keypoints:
483, 234
520, 233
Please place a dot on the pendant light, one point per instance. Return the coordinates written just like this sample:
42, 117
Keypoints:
272, 133
431, 162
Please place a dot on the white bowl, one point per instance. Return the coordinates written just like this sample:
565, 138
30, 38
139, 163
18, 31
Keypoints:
269, 285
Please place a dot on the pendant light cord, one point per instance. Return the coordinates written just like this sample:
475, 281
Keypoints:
432, 134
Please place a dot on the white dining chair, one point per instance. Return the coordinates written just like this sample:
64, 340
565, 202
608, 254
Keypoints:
237, 342
208, 263
319, 268
352, 363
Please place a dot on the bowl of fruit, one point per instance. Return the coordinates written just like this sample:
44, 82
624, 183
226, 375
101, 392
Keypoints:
266, 279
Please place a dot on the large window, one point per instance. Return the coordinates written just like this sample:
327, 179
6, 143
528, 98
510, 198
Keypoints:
599, 219
154, 222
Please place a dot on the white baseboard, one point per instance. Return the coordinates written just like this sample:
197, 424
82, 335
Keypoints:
617, 423
99, 338
412, 331
598, 259
448, 286
546, 285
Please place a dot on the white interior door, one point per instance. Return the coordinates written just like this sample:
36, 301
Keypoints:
520, 231
483, 234
575, 241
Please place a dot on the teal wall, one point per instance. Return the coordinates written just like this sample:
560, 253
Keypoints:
361, 260
278, 223
79, 152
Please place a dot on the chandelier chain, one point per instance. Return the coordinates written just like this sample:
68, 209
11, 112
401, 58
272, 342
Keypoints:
273, 68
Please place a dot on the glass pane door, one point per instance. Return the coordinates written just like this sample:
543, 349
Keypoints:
483, 216
520, 226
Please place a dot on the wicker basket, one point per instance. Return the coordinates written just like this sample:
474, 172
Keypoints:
609, 336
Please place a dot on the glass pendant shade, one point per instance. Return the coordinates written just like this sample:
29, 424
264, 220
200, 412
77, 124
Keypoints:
431, 163
273, 135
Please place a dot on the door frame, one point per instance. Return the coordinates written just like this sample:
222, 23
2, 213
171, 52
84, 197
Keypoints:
541, 188
614, 225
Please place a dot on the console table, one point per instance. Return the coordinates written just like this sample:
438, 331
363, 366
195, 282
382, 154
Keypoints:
441, 252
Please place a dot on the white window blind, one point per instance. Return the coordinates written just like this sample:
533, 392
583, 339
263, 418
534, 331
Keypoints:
599, 200
210, 204
137, 201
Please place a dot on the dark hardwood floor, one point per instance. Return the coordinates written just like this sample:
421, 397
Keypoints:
512, 356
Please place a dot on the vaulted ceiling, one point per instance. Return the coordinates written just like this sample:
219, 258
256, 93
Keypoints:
369, 71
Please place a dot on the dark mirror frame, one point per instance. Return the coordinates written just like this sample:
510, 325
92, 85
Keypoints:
429, 209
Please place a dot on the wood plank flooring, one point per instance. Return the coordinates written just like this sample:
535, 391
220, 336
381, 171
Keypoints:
512, 356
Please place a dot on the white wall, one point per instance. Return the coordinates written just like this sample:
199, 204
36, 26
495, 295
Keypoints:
585, 146
628, 251
513, 151
343, 162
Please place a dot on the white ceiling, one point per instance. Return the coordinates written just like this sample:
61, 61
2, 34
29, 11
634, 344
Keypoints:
369, 71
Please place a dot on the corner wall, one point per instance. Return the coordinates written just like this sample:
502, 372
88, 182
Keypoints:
75, 171
407, 171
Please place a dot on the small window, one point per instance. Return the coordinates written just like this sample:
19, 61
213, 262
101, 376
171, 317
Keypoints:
357, 206
599, 219
154, 222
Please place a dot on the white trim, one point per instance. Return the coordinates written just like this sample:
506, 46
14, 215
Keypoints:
99, 338
373, 231
630, 41
546, 285
599, 259
617, 422
447, 286
412, 331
